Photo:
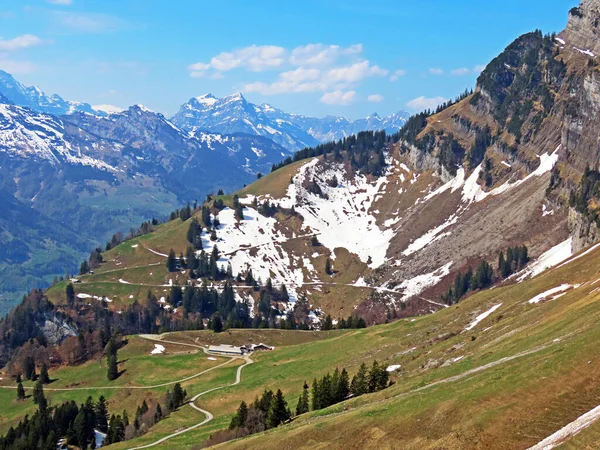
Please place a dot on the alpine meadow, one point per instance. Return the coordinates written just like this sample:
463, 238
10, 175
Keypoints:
266, 263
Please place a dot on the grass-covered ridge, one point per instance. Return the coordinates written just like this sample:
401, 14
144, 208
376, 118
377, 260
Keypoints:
517, 376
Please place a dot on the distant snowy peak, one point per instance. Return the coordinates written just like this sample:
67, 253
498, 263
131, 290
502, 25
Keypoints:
235, 114
33, 97
29, 134
107, 109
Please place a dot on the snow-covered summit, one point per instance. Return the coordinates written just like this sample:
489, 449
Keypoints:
235, 114
33, 97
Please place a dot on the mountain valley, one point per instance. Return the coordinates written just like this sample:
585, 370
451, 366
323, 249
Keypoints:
419, 282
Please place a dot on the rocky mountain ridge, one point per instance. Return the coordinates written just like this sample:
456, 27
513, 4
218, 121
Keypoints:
236, 114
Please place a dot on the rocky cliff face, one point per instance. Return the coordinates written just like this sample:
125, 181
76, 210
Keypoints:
583, 29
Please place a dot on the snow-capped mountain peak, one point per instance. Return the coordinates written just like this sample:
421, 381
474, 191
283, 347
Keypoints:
33, 97
235, 114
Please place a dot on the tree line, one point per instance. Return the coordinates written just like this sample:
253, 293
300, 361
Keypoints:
515, 259
271, 410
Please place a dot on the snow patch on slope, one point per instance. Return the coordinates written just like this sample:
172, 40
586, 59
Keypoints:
344, 218
551, 258
482, 316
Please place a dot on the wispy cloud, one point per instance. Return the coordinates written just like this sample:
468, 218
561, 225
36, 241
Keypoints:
320, 55
375, 98
260, 58
317, 80
89, 22
60, 2
20, 42
397, 74
461, 71
17, 67
338, 97
436, 71
422, 103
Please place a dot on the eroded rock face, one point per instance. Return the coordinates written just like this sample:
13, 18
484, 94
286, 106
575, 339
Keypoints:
583, 230
583, 29
57, 330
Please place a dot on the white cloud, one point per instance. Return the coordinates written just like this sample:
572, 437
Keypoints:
60, 2
338, 97
422, 103
88, 22
300, 74
479, 68
17, 67
375, 98
254, 58
436, 71
20, 42
319, 55
316, 80
397, 74
354, 73
461, 71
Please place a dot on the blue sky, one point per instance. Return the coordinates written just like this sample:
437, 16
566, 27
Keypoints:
343, 57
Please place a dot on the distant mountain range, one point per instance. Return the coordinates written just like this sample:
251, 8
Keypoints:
87, 171
235, 114
33, 97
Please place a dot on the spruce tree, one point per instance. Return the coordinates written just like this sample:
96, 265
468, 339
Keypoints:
29, 368
70, 293
217, 323
328, 269
239, 420
38, 392
343, 386
20, 392
328, 323
316, 396
44, 377
113, 369
101, 413
359, 381
278, 411
303, 406
171, 261
158, 414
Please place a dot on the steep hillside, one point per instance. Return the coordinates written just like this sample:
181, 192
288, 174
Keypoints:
95, 176
456, 374
398, 219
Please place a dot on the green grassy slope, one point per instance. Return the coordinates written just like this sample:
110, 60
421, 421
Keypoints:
524, 372
516, 377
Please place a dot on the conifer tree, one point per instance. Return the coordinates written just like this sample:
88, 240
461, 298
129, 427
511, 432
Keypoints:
113, 369
239, 420
316, 395
278, 411
343, 386
38, 392
20, 392
359, 381
328, 269
303, 406
158, 414
70, 292
171, 261
101, 414
44, 377
29, 368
